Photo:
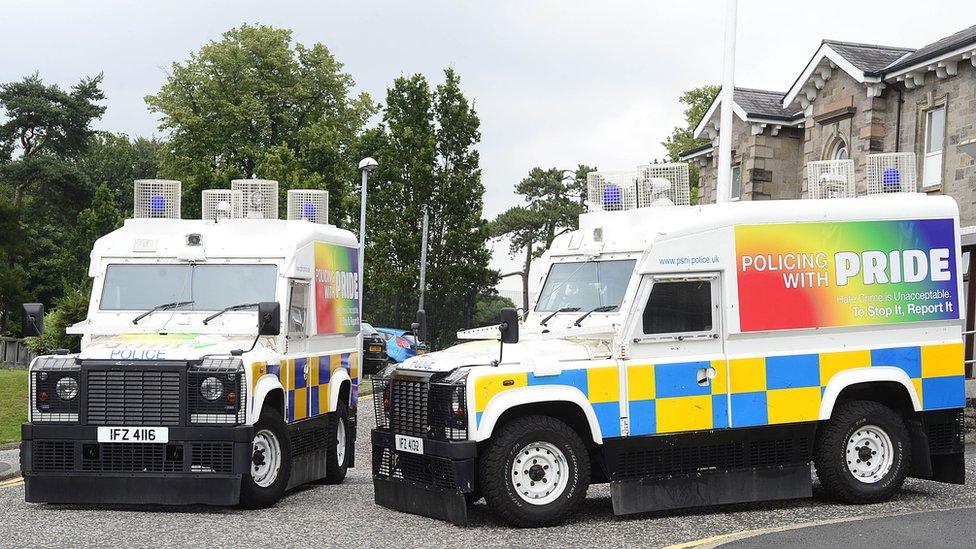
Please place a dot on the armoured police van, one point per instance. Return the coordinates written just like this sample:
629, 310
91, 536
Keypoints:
696, 355
219, 359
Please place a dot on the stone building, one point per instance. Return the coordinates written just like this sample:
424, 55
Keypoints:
848, 101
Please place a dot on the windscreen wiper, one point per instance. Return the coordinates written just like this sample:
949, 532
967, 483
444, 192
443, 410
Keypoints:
163, 307
231, 308
554, 313
603, 309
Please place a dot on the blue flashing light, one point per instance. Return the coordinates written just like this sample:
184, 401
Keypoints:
308, 210
157, 204
613, 197
890, 180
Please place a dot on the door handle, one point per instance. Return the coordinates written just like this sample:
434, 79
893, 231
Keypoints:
706, 375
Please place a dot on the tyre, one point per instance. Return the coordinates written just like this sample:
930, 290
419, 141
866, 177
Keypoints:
535, 472
863, 453
339, 449
267, 478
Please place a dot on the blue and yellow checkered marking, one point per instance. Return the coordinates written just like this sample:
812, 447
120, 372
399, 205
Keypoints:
307, 397
666, 398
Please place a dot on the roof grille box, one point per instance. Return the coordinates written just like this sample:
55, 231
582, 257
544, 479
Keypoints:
260, 197
309, 204
222, 204
612, 190
892, 173
663, 185
831, 179
156, 198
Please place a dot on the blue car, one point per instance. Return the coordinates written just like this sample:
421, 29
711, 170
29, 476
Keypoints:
400, 344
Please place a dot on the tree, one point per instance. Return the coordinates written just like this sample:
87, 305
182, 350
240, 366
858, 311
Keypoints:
525, 229
256, 104
426, 151
101, 218
45, 129
117, 160
682, 138
69, 309
488, 309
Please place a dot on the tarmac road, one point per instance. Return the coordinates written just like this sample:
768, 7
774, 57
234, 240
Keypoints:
345, 516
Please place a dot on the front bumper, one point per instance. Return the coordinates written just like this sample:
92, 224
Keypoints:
432, 484
199, 465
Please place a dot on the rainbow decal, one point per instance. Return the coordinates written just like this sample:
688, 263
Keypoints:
337, 289
814, 275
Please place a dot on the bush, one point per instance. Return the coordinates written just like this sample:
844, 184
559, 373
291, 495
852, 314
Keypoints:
69, 309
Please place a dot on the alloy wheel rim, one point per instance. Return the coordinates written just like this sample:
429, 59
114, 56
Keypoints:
869, 454
265, 458
539, 473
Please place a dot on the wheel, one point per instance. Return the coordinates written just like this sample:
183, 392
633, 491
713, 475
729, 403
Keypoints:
339, 447
863, 454
535, 472
270, 468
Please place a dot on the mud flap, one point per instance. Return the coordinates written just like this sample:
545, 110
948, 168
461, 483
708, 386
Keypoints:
711, 488
421, 500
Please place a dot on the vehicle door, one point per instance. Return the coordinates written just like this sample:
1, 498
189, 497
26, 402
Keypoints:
675, 365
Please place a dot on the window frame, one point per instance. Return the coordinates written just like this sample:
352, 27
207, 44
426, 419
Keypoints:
645, 296
292, 284
933, 156
733, 195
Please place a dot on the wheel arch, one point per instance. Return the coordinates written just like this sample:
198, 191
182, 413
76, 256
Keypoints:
887, 385
340, 387
565, 403
268, 390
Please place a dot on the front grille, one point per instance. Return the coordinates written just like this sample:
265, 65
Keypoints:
426, 470
380, 385
445, 422
53, 455
408, 407
131, 458
211, 457
133, 397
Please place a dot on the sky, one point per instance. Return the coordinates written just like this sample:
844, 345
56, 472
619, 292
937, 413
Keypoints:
555, 83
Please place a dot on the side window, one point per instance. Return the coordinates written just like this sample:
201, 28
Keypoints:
679, 306
297, 308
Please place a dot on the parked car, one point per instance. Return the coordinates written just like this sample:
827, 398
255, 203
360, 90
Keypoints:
400, 344
374, 350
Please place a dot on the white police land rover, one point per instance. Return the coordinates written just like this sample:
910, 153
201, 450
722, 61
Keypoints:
696, 355
191, 386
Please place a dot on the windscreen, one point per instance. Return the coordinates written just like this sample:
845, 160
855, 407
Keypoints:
585, 285
211, 287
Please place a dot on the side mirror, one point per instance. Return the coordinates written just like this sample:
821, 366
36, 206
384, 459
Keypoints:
420, 327
32, 320
269, 318
509, 325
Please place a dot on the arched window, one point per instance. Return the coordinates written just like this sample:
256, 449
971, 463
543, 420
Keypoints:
838, 151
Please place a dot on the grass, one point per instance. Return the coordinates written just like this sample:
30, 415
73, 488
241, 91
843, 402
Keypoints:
13, 404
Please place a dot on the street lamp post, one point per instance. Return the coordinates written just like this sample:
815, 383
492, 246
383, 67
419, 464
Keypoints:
366, 165
723, 189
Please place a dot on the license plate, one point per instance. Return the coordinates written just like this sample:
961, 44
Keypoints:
413, 445
148, 435
375, 349
421, 352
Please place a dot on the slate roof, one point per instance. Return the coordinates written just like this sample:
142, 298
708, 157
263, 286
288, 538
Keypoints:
764, 104
869, 58
935, 49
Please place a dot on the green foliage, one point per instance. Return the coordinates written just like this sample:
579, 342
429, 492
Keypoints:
254, 103
427, 158
45, 129
488, 309
13, 404
101, 218
696, 101
69, 309
554, 202
117, 160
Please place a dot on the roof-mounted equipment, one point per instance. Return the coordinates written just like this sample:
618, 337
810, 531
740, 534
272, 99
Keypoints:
156, 198
309, 204
260, 197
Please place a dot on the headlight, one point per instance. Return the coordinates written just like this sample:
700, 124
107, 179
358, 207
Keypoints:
217, 391
67, 388
211, 388
54, 389
457, 401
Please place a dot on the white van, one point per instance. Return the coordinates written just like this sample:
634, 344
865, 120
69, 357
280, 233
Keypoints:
191, 386
697, 355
